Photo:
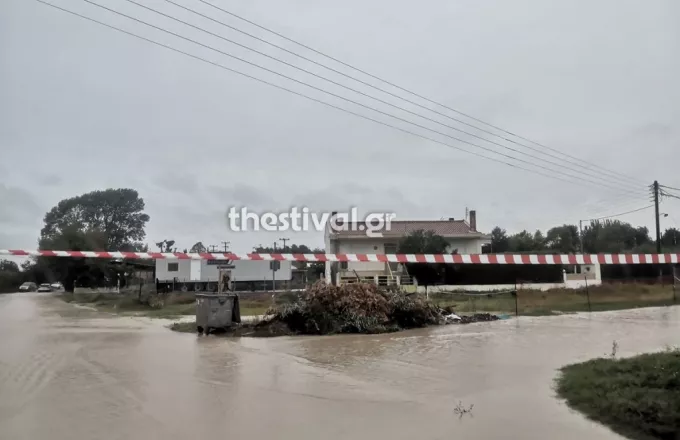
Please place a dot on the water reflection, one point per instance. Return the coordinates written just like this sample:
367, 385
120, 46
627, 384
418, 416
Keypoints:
76, 374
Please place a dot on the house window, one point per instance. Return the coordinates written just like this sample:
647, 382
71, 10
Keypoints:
173, 267
343, 265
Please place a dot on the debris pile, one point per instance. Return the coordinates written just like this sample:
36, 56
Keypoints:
352, 308
356, 308
478, 317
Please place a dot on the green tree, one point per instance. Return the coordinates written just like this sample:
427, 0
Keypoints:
115, 215
425, 242
499, 240
9, 266
166, 246
614, 236
198, 248
523, 242
563, 239
110, 220
671, 238
10, 276
539, 241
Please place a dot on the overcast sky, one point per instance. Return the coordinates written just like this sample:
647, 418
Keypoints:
83, 107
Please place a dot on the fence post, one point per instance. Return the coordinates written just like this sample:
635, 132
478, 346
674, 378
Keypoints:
516, 300
587, 292
673, 290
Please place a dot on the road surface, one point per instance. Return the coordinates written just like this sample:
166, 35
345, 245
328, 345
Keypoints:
69, 373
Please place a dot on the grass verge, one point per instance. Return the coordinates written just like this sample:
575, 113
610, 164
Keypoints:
537, 303
173, 306
637, 397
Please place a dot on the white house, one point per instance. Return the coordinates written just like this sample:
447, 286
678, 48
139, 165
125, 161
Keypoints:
462, 236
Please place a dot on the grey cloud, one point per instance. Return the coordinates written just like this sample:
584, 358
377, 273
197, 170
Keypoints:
243, 194
18, 205
51, 180
173, 181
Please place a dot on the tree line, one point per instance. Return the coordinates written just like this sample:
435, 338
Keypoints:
108, 220
114, 220
609, 236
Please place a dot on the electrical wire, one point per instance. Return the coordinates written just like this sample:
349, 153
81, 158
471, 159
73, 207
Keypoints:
663, 193
613, 207
598, 176
615, 203
617, 215
339, 96
561, 165
305, 96
669, 187
413, 93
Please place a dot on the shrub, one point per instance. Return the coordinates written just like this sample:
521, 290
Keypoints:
353, 308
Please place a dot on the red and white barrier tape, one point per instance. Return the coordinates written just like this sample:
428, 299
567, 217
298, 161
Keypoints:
392, 258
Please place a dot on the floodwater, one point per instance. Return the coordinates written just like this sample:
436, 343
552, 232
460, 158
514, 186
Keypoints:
70, 373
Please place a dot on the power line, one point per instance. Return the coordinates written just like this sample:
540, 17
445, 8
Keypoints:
667, 194
412, 93
562, 165
604, 208
618, 215
578, 182
339, 96
305, 96
669, 187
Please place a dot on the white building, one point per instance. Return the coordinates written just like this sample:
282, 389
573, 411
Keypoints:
462, 237
205, 271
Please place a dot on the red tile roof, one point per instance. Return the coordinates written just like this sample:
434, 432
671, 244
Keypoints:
399, 228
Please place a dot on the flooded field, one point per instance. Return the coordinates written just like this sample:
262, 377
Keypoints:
72, 373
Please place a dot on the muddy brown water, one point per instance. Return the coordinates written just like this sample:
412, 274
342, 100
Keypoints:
71, 373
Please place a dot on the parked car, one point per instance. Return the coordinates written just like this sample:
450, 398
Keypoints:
28, 287
45, 288
57, 286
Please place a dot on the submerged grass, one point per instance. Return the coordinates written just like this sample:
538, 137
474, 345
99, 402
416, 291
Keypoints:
172, 306
637, 397
536, 303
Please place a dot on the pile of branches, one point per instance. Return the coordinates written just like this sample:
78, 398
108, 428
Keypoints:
353, 308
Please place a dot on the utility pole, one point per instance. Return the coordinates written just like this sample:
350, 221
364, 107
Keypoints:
580, 233
226, 246
657, 215
212, 248
284, 240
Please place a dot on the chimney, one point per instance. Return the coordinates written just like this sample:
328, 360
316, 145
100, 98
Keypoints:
473, 221
330, 223
451, 219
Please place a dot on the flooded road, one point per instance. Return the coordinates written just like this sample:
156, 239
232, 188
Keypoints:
70, 373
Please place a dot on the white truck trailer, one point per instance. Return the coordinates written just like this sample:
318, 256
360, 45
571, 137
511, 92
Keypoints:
203, 275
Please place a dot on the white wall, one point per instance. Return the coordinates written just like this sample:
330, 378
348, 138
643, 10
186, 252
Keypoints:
363, 247
163, 274
248, 270
466, 245
244, 270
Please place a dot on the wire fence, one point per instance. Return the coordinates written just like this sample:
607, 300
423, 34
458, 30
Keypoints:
532, 302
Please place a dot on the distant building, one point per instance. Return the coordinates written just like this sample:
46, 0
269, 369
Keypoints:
461, 235
202, 274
